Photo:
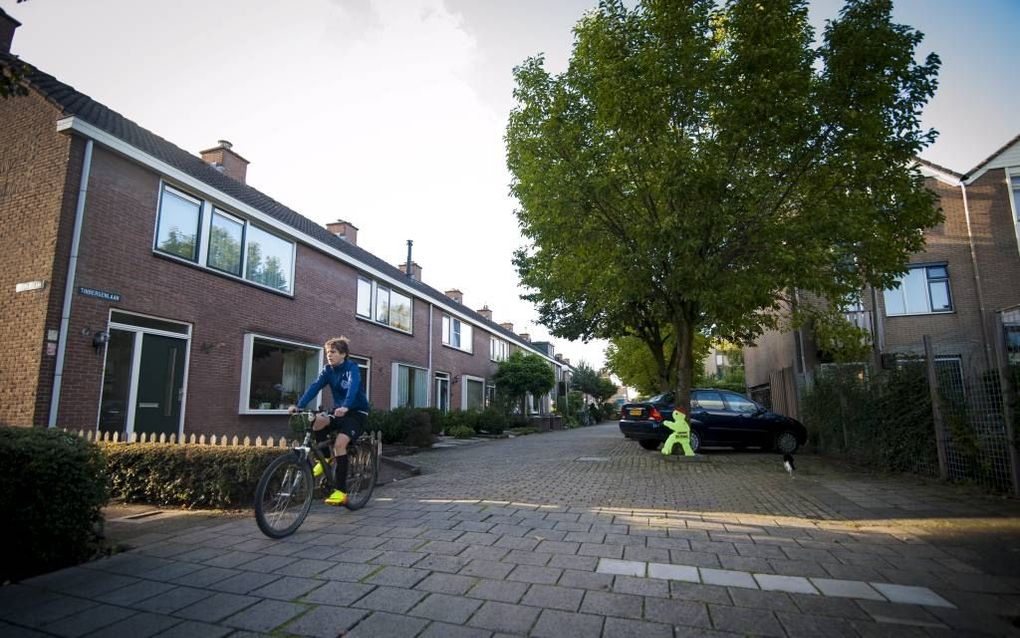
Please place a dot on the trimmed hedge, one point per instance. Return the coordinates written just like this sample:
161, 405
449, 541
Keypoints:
54, 488
187, 475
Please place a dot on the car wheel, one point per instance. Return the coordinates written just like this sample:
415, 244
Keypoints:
649, 444
786, 442
695, 441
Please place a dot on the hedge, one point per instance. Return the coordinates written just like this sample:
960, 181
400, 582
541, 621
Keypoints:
187, 475
54, 489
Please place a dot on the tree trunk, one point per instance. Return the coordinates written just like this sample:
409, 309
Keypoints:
684, 332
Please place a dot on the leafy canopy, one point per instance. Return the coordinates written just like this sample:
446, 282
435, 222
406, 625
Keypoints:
521, 374
589, 381
695, 162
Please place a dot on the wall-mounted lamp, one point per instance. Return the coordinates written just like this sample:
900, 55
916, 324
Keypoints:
100, 339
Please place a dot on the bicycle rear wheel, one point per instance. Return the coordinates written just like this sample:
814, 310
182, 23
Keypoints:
283, 496
362, 472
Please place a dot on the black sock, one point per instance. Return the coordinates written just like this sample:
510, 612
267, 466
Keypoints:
340, 473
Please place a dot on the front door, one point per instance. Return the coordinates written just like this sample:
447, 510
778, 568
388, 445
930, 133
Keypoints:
160, 385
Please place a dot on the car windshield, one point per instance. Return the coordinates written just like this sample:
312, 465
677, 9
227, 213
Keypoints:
665, 397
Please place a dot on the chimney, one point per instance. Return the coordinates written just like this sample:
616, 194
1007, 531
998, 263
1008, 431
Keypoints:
525, 336
506, 325
485, 312
456, 295
566, 361
344, 230
559, 357
7, 27
415, 270
226, 161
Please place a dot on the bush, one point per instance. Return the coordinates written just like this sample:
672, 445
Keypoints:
492, 421
187, 475
460, 432
419, 428
54, 488
390, 424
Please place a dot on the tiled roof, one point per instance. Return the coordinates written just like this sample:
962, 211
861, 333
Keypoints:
74, 103
992, 156
942, 169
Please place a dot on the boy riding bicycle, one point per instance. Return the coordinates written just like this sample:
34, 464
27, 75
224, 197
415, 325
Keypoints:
350, 410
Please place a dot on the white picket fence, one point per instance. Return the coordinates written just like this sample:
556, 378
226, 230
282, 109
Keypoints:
151, 437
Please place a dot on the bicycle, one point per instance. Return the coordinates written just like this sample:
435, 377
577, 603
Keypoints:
285, 490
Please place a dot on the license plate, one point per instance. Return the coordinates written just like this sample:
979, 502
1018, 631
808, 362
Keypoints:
636, 411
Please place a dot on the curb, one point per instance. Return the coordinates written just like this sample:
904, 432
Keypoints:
413, 470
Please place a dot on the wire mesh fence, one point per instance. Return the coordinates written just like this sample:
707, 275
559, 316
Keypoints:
940, 416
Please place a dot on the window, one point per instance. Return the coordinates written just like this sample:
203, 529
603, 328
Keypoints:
457, 334
474, 393
740, 404
490, 395
499, 349
223, 242
411, 387
179, 218
923, 290
1015, 182
443, 391
276, 373
707, 400
383, 305
226, 236
364, 368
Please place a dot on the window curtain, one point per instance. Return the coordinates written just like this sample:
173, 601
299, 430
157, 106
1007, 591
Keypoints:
420, 386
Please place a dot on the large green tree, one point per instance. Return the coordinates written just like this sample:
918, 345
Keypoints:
589, 381
695, 162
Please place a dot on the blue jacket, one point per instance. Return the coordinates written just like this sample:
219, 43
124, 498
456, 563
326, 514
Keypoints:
344, 381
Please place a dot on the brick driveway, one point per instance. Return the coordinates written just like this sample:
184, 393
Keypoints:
575, 533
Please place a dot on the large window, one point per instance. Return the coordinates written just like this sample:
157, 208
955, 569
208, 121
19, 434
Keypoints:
457, 334
411, 387
443, 391
384, 305
276, 373
499, 349
222, 242
179, 219
923, 290
474, 393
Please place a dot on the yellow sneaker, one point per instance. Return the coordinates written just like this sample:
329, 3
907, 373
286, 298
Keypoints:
336, 498
318, 470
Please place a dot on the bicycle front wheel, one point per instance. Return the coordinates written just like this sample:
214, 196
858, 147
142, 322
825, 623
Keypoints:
362, 472
283, 496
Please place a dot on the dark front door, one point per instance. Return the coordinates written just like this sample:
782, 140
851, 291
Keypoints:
160, 384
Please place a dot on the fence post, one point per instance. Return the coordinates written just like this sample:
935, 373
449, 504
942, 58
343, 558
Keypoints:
1007, 408
936, 409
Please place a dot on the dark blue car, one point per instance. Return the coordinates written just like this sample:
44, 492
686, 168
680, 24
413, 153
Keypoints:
717, 418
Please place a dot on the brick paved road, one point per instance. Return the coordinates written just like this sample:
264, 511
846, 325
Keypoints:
575, 533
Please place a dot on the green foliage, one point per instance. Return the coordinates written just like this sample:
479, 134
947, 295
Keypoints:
54, 488
189, 476
521, 374
883, 420
417, 427
630, 359
461, 432
590, 382
490, 420
839, 340
696, 162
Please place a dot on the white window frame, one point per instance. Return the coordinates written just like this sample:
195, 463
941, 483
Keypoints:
452, 326
204, 234
394, 384
499, 349
375, 290
248, 351
464, 378
927, 292
437, 379
1013, 189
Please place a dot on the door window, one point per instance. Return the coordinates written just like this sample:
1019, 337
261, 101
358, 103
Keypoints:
739, 404
707, 400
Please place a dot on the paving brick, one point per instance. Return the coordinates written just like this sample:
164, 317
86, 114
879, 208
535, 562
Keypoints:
892, 613
911, 595
609, 604
829, 606
562, 624
90, 620
397, 576
846, 589
386, 625
800, 625
446, 583
557, 547
503, 617
446, 608
170, 601
400, 559
392, 599
478, 538
444, 630
351, 572
486, 569
727, 578
265, 616
216, 607
521, 557
586, 580
510, 541
677, 612
497, 590
673, 572
792, 584
745, 621
244, 582
625, 628
621, 567
697, 559
641, 586
125, 596
568, 561
551, 596
287, 588
534, 574
614, 552
773, 600
443, 563
337, 593
443, 547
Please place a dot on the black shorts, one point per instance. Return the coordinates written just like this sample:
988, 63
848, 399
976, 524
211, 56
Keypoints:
352, 424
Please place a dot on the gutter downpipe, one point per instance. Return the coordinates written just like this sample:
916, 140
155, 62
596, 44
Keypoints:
428, 397
72, 267
977, 280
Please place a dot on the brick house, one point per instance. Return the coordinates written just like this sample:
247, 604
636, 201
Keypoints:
959, 290
146, 289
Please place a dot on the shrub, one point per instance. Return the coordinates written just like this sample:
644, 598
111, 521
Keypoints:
461, 432
435, 419
187, 475
54, 488
492, 421
389, 423
419, 428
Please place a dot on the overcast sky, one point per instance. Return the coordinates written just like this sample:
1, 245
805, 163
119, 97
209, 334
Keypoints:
391, 114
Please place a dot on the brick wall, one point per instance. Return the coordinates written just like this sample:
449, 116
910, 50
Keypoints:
34, 183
